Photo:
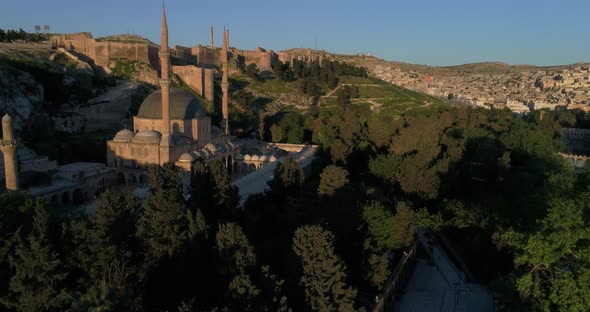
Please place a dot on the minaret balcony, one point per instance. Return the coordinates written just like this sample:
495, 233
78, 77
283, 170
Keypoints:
164, 53
8, 143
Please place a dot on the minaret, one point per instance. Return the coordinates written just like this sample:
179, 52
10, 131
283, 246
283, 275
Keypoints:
225, 82
212, 46
8, 147
164, 54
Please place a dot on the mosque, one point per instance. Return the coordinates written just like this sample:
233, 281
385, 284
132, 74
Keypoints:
172, 126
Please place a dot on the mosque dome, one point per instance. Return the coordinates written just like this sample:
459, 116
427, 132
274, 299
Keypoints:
211, 148
255, 158
247, 157
263, 158
186, 157
183, 105
272, 158
124, 135
147, 136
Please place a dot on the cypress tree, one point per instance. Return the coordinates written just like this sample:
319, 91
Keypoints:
162, 225
39, 274
324, 277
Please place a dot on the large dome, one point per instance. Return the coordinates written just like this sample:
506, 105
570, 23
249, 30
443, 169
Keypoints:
183, 105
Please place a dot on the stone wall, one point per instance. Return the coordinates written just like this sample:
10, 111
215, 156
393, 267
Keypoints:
263, 59
199, 79
102, 52
206, 56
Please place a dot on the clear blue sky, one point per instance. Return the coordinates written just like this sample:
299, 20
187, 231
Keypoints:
435, 32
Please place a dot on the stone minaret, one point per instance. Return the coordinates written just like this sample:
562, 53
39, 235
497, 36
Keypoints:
225, 82
164, 54
212, 46
8, 147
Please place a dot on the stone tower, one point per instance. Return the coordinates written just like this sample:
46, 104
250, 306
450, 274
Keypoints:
225, 82
8, 147
164, 53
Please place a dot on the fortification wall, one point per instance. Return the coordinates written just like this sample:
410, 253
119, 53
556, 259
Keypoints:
102, 52
206, 56
262, 59
105, 51
79, 42
199, 79
184, 54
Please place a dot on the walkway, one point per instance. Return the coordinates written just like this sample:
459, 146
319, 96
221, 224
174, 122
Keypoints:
437, 285
256, 182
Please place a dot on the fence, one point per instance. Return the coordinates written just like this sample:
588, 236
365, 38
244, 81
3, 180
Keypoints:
396, 281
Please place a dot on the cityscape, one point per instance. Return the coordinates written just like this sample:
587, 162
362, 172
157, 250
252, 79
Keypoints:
142, 173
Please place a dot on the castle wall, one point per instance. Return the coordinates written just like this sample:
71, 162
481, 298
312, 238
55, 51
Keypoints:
101, 52
206, 56
199, 79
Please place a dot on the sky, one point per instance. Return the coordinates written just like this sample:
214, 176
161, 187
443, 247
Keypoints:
433, 32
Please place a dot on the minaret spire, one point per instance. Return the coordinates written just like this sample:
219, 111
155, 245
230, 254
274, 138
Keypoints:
212, 46
225, 82
164, 54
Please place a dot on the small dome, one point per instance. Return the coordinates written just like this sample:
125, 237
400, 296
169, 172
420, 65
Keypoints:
272, 158
263, 158
124, 135
186, 157
255, 158
210, 147
6, 118
147, 136
247, 157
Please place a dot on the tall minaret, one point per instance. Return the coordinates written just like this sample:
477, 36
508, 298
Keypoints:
225, 82
8, 147
164, 54
212, 46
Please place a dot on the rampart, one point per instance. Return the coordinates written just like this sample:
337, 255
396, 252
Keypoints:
102, 51
199, 79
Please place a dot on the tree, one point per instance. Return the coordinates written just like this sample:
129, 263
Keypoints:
243, 99
332, 179
323, 277
332, 80
236, 253
386, 167
276, 133
38, 282
288, 178
378, 270
339, 151
162, 224
553, 261
260, 128
404, 226
272, 292
252, 71
343, 98
242, 294
379, 227
113, 218
225, 194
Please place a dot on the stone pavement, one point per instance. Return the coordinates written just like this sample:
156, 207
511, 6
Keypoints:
256, 182
437, 285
